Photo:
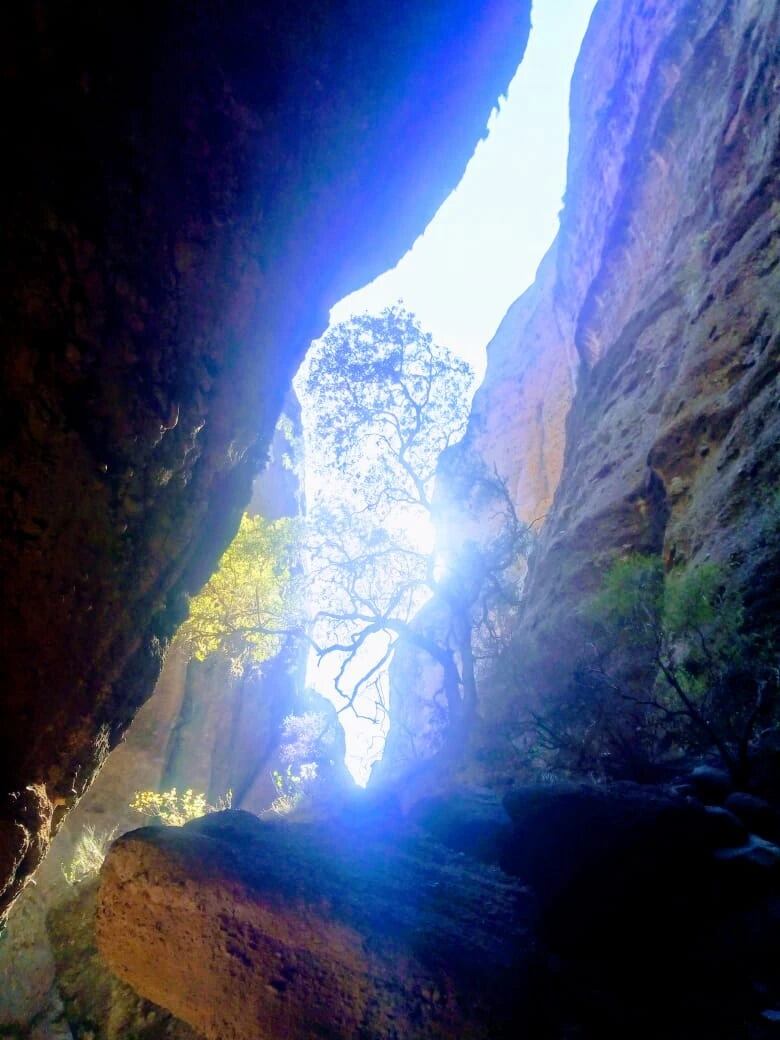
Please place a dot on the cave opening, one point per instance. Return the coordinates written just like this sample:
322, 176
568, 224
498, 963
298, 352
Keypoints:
538, 615
481, 250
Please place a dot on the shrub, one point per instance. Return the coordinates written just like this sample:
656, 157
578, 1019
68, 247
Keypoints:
670, 669
174, 809
88, 855
291, 785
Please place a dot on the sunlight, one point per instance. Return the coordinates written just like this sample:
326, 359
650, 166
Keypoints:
479, 253
482, 249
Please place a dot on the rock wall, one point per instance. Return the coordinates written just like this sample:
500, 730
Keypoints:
518, 416
186, 193
631, 394
669, 263
204, 728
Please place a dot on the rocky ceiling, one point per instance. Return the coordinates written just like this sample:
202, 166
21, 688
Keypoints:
188, 188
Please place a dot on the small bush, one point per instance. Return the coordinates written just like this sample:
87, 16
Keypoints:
88, 855
670, 670
174, 809
291, 785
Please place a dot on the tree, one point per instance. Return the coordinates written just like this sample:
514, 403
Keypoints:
244, 608
388, 403
670, 666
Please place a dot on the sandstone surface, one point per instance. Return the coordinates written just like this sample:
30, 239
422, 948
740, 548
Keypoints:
632, 394
670, 265
344, 928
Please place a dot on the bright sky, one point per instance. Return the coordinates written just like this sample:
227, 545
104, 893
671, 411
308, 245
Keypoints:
482, 249
484, 245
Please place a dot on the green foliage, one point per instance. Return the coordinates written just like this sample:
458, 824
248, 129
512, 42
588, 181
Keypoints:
88, 855
306, 739
688, 621
631, 594
388, 401
703, 616
291, 786
672, 653
174, 809
242, 607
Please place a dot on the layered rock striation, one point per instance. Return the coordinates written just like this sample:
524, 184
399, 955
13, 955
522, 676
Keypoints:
187, 192
669, 264
632, 394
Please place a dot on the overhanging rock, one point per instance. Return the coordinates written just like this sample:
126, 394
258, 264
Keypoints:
189, 189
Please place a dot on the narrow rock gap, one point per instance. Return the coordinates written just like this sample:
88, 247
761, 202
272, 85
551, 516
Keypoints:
561, 588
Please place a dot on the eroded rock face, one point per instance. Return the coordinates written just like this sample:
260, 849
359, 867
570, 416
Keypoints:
188, 191
632, 395
672, 440
332, 929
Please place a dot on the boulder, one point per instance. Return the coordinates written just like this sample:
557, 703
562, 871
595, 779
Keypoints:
756, 813
711, 785
726, 829
659, 932
755, 860
251, 929
468, 820
607, 860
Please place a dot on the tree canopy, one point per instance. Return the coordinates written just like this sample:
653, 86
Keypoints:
243, 608
389, 402
386, 402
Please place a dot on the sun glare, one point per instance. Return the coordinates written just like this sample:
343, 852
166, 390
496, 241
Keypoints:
475, 258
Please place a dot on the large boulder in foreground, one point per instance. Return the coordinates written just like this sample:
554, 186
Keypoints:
248, 930
598, 853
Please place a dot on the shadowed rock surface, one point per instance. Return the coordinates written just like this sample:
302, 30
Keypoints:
189, 189
249, 930
642, 919
656, 918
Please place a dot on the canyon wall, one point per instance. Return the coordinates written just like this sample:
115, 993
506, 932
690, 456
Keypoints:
203, 728
187, 191
631, 399
669, 263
